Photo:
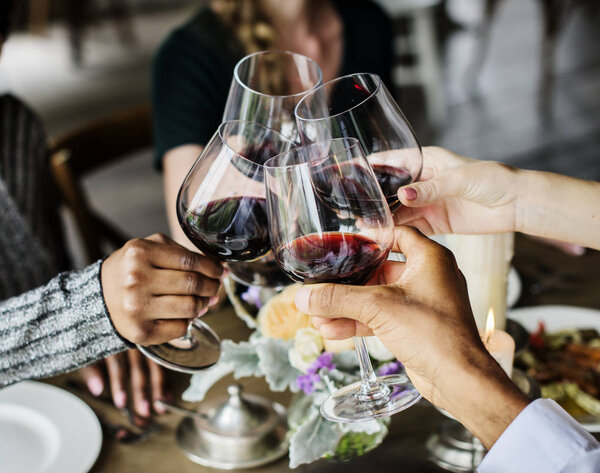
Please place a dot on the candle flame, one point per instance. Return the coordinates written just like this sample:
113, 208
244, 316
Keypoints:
490, 325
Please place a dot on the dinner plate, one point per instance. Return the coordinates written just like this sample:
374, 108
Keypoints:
44, 429
557, 317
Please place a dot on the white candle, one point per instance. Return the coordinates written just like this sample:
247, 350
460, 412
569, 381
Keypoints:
499, 343
485, 261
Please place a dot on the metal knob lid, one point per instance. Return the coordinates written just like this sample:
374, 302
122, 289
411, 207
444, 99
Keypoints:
241, 415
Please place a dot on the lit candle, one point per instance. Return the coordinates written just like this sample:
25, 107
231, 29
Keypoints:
499, 343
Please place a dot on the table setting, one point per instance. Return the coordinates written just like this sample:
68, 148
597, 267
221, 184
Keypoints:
298, 186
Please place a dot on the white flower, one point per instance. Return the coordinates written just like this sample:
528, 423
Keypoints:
308, 345
378, 349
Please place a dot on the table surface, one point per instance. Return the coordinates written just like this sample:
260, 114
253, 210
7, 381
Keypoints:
548, 276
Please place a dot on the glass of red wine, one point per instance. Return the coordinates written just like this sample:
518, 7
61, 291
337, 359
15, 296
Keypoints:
221, 208
329, 223
360, 106
266, 87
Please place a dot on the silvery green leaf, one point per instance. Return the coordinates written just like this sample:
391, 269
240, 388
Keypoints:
201, 382
346, 360
300, 408
275, 365
340, 378
313, 439
242, 356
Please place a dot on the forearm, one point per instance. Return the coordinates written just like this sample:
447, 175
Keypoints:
56, 328
485, 401
176, 164
559, 207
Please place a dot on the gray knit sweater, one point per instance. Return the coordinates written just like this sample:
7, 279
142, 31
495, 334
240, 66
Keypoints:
63, 323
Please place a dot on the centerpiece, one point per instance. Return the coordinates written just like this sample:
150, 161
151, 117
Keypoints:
290, 353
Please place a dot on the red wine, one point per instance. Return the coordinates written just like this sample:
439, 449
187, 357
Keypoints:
331, 257
391, 179
232, 229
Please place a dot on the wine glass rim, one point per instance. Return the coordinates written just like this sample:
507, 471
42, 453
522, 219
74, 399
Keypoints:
352, 142
304, 99
243, 84
227, 123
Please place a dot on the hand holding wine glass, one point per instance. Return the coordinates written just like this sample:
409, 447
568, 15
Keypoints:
329, 222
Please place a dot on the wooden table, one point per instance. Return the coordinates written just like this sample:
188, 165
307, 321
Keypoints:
548, 276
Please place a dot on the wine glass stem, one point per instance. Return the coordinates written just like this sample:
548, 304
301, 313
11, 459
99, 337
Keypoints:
370, 388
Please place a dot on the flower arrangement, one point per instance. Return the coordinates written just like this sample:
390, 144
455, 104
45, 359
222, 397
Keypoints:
291, 354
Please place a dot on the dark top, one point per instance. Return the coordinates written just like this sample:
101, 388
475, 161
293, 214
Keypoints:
192, 70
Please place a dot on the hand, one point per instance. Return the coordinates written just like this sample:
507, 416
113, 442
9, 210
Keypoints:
145, 379
154, 286
421, 312
460, 195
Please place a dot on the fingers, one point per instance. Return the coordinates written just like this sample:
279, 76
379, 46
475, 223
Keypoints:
183, 283
116, 368
93, 377
450, 183
410, 241
178, 307
139, 383
158, 387
165, 330
337, 300
341, 329
171, 255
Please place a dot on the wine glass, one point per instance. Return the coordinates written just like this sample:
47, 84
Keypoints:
266, 87
360, 106
221, 208
329, 222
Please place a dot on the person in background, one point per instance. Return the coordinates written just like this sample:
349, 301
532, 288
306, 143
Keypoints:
143, 293
420, 309
192, 70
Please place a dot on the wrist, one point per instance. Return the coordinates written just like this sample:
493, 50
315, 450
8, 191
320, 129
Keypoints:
482, 398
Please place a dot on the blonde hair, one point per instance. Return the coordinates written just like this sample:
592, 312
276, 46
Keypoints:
248, 21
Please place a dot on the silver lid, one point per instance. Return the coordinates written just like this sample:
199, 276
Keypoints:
241, 415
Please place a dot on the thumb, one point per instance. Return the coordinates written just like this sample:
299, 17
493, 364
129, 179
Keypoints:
337, 300
448, 184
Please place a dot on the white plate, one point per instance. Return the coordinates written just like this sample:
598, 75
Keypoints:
44, 429
557, 317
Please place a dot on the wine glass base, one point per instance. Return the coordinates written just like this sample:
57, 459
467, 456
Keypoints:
198, 350
345, 406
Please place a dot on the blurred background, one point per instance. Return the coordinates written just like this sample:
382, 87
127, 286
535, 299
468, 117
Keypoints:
510, 80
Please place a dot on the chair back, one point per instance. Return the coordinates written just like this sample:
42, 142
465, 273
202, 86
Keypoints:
79, 152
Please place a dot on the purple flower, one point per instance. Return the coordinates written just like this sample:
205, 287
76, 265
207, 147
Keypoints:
307, 382
325, 360
393, 367
252, 296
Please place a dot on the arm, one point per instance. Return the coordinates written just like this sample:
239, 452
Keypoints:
176, 164
462, 195
145, 293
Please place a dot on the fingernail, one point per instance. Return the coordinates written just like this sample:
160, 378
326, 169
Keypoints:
159, 408
409, 193
213, 300
225, 272
302, 298
201, 312
578, 250
144, 408
120, 399
96, 386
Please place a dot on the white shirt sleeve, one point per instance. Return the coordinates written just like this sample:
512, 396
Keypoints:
543, 438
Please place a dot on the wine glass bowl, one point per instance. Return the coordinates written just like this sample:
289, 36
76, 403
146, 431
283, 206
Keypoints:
267, 86
329, 223
221, 204
360, 106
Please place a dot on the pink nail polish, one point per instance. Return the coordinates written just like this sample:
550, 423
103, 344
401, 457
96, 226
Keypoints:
159, 408
213, 300
201, 312
96, 386
144, 408
120, 399
410, 193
